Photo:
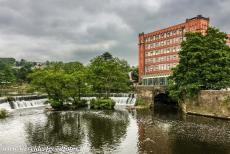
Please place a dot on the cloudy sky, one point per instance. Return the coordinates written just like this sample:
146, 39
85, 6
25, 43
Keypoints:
68, 30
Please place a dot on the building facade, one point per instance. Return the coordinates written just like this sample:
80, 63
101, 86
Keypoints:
158, 50
228, 40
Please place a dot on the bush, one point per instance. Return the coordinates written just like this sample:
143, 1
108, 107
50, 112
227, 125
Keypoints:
140, 102
102, 103
80, 103
55, 104
10, 99
3, 113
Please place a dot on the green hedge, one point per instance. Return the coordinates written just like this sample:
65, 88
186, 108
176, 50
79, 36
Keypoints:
3, 113
140, 102
57, 105
102, 103
80, 103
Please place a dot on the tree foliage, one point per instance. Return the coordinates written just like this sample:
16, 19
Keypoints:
6, 73
108, 74
204, 64
67, 82
62, 82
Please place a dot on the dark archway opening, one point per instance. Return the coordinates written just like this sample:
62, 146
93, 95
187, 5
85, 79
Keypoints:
164, 99
165, 107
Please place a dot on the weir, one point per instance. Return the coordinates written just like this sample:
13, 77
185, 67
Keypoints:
22, 102
127, 99
28, 104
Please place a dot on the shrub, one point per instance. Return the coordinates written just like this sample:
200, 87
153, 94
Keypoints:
10, 99
55, 104
80, 103
140, 102
102, 103
3, 113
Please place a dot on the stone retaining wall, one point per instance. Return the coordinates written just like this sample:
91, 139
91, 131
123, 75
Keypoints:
214, 103
147, 93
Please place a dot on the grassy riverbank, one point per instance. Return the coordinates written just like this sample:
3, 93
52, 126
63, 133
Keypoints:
3, 113
140, 103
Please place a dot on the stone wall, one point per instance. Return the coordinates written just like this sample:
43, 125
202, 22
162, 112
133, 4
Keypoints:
147, 93
215, 103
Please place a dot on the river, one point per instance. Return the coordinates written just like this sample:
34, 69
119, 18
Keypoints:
158, 131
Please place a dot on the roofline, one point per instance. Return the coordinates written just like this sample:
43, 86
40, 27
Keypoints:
174, 26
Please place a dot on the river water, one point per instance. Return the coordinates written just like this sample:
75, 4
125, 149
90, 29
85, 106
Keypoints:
158, 131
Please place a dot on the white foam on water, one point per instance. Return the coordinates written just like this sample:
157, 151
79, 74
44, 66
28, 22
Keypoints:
29, 104
5, 106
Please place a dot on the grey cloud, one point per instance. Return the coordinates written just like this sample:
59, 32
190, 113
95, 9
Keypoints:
79, 30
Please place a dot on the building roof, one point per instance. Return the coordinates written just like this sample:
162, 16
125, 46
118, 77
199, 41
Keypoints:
197, 17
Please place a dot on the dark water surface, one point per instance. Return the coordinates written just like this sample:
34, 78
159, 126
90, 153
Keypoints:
160, 131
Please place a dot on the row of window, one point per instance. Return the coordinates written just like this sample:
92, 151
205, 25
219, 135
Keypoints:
155, 81
164, 42
164, 35
161, 59
162, 51
160, 67
195, 27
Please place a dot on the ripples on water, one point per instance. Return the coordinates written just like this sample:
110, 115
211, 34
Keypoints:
142, 131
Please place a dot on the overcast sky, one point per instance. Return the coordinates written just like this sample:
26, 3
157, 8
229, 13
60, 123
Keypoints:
68, 30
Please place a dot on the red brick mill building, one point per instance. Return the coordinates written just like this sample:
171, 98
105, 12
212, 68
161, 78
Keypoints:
158, 50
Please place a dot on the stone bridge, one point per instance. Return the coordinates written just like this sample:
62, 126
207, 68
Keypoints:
212, 103
148, 93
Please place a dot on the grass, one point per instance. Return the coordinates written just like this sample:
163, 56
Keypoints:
3, 113
140, 103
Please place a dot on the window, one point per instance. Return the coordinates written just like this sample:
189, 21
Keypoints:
157, 59
157, 37
156, 67
168, 50
174, 57
168, 34
151, 38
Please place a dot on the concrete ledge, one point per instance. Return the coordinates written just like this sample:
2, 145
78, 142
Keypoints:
208, 115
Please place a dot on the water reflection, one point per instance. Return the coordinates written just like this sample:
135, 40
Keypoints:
158, 131
59, 128
103, 130
170, 132
106, 129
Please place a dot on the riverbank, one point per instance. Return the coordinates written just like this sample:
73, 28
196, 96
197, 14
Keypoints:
209, 103
3, 113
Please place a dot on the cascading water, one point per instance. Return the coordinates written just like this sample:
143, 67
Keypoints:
128, 100
5, 106
125, 99
28, 104
23, 102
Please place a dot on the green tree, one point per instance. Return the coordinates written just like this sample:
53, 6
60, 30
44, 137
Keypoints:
23, 72
134, 74
6, 73
108, 74
62, 82
76, 83
8, 61
204, 64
